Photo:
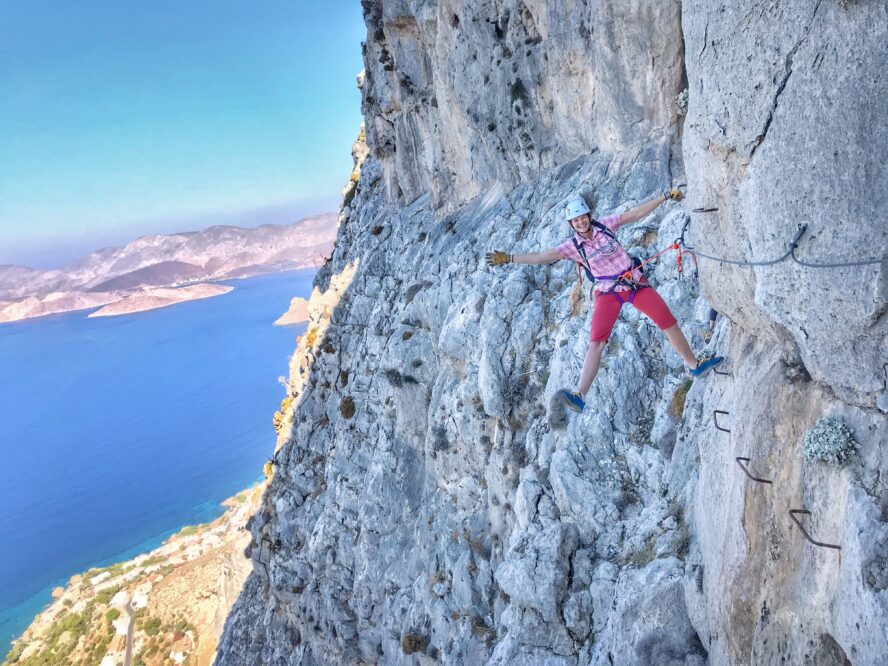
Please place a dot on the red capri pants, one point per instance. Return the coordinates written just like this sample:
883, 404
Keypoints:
607, 309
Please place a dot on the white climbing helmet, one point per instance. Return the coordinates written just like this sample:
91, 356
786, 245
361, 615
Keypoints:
575, 207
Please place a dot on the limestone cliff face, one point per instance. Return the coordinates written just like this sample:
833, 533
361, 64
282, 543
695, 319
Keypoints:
460, 95
431, 505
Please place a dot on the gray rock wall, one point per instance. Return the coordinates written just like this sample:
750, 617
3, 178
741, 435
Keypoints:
781, 131
431, 505
785, 126
460, 95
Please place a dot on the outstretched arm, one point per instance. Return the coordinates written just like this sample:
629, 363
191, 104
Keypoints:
498, 258
645, 209
545, 257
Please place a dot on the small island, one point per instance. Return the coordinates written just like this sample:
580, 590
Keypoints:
296, 314
160, 297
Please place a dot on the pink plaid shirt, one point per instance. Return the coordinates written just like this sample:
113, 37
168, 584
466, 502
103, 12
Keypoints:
605, 256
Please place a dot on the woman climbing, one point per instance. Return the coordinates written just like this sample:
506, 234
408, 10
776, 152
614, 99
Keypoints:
618, 279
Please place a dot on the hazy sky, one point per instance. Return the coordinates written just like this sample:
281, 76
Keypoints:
124, 118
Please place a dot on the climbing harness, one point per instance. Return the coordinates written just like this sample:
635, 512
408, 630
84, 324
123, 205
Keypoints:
623, 278
626, 278
620, 279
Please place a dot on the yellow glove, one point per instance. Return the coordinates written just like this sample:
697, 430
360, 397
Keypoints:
675, 195
497, 258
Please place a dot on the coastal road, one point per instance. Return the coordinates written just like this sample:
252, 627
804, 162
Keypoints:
128, 655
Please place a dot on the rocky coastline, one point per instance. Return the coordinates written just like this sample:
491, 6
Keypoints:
165, 606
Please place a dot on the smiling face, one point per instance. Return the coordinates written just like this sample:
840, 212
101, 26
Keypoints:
581, 224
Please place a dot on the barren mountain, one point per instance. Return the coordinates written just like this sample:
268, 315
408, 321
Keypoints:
111, 274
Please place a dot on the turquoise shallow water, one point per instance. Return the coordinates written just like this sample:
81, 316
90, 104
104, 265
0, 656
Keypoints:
115, 432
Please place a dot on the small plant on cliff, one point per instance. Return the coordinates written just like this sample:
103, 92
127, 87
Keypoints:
311, 337
680, 397
681, 102
278, 419
830, 441
347, 407
641, 558
482, 630
412, 643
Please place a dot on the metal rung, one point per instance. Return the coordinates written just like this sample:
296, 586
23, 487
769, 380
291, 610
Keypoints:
704, 210
746, 471
715, 414
719, 372
268, 551
792, 513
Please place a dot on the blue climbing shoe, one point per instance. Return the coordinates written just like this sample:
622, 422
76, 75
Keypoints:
573, 400
706, 364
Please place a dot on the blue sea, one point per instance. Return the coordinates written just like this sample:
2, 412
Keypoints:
116, 432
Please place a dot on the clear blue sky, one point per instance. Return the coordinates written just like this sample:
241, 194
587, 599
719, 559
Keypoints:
119, 119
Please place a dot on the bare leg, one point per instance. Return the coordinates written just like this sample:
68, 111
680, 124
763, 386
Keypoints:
591, 364
680, 344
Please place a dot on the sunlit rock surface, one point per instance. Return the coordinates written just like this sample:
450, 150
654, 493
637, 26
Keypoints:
429, 503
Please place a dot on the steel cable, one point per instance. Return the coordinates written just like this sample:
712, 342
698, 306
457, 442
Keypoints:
790, 253
848, 264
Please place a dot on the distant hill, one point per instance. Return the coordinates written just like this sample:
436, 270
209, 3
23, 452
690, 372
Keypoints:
166, 272
215, 253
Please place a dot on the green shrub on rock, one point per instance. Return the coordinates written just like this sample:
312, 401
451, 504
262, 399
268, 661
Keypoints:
151, 626
830, 441
104, 596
